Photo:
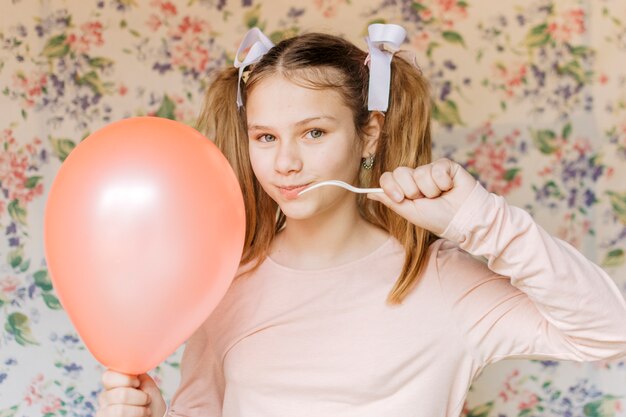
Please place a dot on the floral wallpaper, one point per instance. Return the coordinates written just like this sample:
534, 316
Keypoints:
529, 95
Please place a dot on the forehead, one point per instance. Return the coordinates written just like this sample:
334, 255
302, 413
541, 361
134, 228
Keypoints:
280, 100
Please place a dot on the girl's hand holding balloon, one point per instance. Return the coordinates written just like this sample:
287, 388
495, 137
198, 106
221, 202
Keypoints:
130, 396
428, 196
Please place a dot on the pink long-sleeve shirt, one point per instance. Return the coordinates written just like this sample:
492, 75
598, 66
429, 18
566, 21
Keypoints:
294, 343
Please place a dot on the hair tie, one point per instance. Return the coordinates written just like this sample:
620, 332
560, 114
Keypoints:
259, 44
383, 41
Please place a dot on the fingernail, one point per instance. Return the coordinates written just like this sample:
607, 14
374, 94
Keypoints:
397, 197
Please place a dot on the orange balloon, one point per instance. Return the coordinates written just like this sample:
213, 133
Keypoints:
143, 231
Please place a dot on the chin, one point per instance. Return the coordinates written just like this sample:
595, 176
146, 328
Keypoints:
297, 213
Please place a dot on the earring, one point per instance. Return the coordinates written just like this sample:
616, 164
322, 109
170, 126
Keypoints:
368, 162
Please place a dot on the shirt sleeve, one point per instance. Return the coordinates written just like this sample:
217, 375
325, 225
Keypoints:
535, 297
201, 389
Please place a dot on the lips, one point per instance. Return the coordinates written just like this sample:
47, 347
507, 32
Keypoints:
291, 191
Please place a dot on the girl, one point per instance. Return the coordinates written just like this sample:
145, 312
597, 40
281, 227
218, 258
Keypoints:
369, 306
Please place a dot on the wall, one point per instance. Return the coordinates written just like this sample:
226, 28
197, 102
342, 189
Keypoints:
529, 95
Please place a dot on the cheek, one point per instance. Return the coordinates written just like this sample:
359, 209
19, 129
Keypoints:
260, 163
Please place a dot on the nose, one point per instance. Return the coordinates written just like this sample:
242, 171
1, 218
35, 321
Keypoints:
288, 158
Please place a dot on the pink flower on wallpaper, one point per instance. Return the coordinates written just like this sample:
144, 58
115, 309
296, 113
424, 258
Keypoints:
510, 77
329, 8
15, 164
188, 49
30, 87
528, 403
492, 160
90, 35
446, 11
154, 22
167, 8
9, 284
452, 7
566, 25
508, 391
50, 404
573, 229
420, 41
33, 391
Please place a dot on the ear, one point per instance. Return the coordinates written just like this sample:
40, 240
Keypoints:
372, 132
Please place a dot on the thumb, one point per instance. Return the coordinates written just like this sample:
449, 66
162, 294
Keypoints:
147, 384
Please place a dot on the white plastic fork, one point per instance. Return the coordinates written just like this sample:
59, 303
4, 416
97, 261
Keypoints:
342, 185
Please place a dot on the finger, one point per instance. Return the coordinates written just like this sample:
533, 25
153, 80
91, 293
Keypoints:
146, 381
404, 178
391, 187
442, 174
405, 208
112, 379
128, 396
424, 180
127, 410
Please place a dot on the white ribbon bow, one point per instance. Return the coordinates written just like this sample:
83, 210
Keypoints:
259, 44
383, 41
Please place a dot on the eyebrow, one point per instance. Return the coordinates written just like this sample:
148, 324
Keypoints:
300, 123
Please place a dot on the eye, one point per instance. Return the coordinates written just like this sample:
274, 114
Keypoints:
316, 133
266, 138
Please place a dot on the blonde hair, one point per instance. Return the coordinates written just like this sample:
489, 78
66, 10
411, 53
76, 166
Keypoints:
320, 61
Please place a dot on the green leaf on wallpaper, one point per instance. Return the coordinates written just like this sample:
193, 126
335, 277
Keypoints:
447, 113
93, 81
603, 407
252, 18
279, 35
482, 410
56, 47
537, 36
42, 280
15, 257
618, 202
51, 301
167, 108
614, 258
31, 182
544, 140
371, 22
574, 70
100, 62
9, 412
510, 174
453, 37
431, 48
18, 325
17, 212
25, 265
418, 7
567, 130
462, 3
581, 51
62, 147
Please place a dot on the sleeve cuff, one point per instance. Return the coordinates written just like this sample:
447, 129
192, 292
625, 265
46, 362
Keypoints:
460, 225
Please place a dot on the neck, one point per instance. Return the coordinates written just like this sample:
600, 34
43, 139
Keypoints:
331, 238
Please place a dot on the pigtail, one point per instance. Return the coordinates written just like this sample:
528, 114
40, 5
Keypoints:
405, 141
224, 123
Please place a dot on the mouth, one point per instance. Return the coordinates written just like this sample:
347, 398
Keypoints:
291, 192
